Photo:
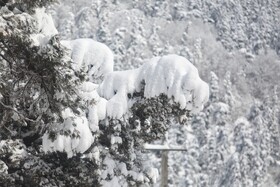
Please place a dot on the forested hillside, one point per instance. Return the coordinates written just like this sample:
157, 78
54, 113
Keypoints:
235, 45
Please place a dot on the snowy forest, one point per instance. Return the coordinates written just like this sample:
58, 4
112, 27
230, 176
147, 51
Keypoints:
87, 85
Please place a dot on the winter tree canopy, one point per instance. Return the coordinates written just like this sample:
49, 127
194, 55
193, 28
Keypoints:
63, 110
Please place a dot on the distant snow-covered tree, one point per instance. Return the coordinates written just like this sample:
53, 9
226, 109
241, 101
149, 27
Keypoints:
83, 20
66, 22
118, 47
214, 87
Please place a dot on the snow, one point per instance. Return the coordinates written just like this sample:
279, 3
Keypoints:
114, 182
15, 151
73, 136
115, 88
45, 26
242, 120
3, 167
164, 147
96, 104
116, 140
96, 57
172, 75
153, 174
110, 165
123, 169
153, 146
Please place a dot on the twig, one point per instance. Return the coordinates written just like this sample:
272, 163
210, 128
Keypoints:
20, 114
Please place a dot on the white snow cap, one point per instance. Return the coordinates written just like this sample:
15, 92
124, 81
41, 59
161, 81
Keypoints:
96, 104
73, 136
45, 22
172, 75
96, 57
45, 26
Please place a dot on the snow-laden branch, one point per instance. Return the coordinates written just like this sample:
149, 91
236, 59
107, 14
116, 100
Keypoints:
95, 57
171, 75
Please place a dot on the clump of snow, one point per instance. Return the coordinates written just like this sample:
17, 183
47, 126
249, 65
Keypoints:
3, 167
73, 136
123, 168
116, 140
172, 75
45, 27
119, 84
95, 57
96, 104
45, 24
14, 149
110, 166
153, 174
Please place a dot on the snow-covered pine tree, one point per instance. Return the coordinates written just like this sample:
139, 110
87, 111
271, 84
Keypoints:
155, 42
37, 83
184, 168
274, 126
214, 87
83, 20
118, 47
261, 139
137, 45
92, 134
239, 169
228, 98
66, 22
103, 34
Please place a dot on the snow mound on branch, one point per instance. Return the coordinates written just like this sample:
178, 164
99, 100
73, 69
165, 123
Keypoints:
96, 57
45, 26
96, 105
73, 136
3, 167
172, 75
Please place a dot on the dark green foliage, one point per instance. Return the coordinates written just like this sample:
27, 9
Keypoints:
37, 169
32, 79
154, 116
36, 84
146, 121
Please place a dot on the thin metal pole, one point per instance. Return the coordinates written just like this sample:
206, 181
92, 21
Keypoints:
164, 169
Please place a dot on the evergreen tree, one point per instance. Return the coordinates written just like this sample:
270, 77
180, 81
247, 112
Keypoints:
154, 41
214, 87
103, 34
83, 21
274, 126
59, 129
228, 97
66, 23
119, 48
37, 83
